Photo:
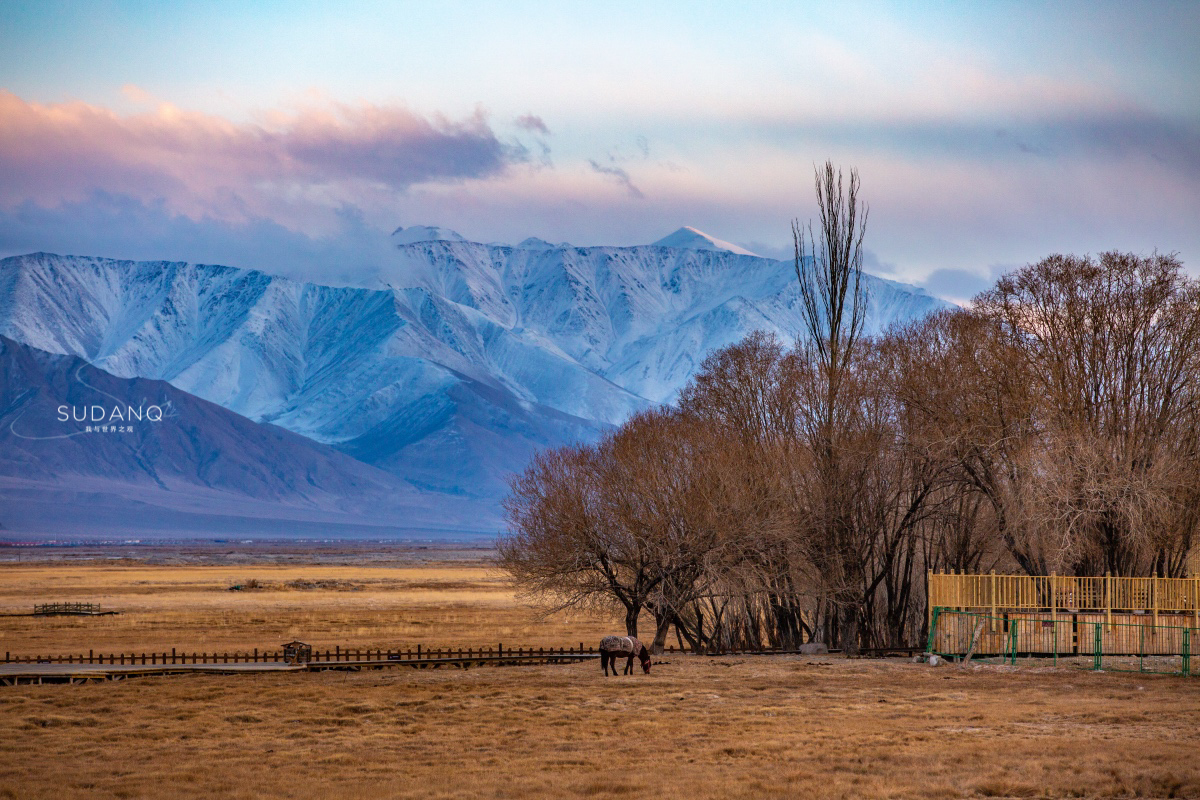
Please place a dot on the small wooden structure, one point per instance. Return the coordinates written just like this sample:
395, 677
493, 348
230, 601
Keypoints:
1109, 595
1064, 615
74, 609
297, 652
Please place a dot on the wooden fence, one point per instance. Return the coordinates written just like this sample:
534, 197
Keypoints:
994, 594
1156, 648
347, 655
352, 655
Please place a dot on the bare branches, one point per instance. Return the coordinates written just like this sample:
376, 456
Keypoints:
801, 493
829, 268
1110, 351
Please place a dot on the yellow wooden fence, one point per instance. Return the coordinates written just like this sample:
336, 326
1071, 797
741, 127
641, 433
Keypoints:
994, 594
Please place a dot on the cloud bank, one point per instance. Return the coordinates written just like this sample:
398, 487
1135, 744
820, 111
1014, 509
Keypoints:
350, 251
202, 163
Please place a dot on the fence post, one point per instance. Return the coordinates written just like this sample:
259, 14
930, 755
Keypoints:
1108, 598
1187, 652
1154, 601
994, 601
1054, 612
1012, 640
932, 627
929, 598
1097, 646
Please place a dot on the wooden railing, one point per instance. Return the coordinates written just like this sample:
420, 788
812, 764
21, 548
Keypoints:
66, 608
349, 655
994, 593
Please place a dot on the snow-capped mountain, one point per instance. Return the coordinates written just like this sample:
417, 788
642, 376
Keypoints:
424, 233
641, 317
688, 236
451, 366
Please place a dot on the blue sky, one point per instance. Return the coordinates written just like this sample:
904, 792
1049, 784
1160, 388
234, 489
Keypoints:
296, 135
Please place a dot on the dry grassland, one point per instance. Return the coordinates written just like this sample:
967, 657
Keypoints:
192, 608
695, 728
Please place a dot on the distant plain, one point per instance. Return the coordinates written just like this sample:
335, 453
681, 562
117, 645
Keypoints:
354, 597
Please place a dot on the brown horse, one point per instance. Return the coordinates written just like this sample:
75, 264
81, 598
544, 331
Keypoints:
628, 646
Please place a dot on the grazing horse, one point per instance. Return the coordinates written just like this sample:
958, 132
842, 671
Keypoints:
613, 646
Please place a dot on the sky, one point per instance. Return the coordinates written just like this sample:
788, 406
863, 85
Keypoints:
294, 137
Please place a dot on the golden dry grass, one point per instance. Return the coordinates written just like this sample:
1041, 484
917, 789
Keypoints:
191, 608
696, 727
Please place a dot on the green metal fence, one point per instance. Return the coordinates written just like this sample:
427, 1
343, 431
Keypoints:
1084, 640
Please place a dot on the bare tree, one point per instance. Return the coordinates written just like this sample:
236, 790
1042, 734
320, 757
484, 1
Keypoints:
829, 269
834, 301
744, 395
1110, 349
663, 493
563, 549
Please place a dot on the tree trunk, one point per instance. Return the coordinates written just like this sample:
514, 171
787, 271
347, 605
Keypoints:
632, 612
662, 627
850, 631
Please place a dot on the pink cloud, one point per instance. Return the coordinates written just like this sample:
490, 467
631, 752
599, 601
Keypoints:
55, 153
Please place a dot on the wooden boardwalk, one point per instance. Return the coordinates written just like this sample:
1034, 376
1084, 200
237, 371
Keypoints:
12, 674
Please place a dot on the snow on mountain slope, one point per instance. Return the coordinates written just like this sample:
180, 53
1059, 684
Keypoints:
449, 368
642, 317
424, 233
372, 372
689, 237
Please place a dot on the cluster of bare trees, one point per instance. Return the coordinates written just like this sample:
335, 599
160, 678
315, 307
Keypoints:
799, 493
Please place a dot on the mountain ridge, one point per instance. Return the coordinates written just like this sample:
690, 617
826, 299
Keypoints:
449, 367
687, 236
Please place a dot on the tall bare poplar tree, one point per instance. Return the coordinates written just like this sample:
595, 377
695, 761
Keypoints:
834, 304
831, 285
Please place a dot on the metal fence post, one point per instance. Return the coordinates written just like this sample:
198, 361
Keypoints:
1012, 640
932, 628
1097, 646
1187, 651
